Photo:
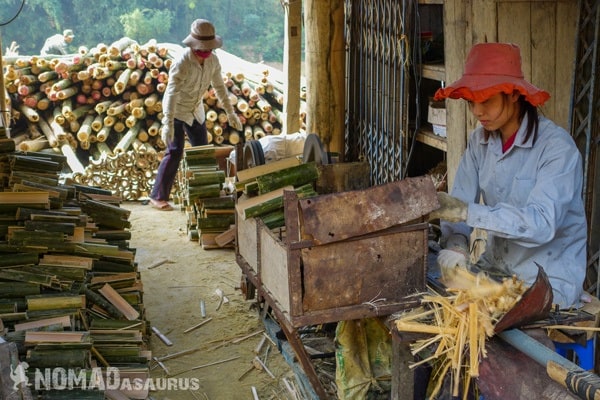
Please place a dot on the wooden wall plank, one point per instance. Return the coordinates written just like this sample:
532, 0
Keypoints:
514, 26
338, 73
455, 26
543, 50
292, 61
567, 15
484, 11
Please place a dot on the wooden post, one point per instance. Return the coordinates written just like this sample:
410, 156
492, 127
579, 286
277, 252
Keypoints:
292, 66
5, 118
455, 56
338, 84
324, 21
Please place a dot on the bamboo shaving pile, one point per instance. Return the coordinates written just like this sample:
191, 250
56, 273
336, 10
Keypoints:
460, 324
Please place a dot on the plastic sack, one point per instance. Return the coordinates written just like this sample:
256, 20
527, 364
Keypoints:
363, 358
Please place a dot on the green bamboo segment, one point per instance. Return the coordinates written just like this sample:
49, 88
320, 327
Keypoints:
17, 259
6, 248
112, 337
223, 221
62, 192
212, 190
102, 250
274, 219
18, 289
200, 151
112, 235
50, 180
206, 178
41, 314
8, 306
264, 207
7, 145
113, 267
44, 302
31, 163
35, 278
23, 237
71, 219
117, 350
61, 272
222, 202
54, 358
57, 227
110, 324
295, 176
251, 189
277, 202
10, 317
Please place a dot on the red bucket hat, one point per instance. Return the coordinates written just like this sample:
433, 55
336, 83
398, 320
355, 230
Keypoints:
492, 68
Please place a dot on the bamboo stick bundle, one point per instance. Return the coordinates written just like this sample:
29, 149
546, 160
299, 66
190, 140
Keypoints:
460, 323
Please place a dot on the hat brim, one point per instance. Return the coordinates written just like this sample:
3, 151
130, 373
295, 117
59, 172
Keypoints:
203, 44
479, 88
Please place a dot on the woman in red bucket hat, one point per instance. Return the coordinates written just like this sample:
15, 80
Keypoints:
520, 179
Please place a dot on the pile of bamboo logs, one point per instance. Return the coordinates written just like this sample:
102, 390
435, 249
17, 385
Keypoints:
70, 292
102, 108
201, 192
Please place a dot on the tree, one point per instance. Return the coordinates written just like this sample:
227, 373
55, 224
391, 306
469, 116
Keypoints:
146, 24
252, 30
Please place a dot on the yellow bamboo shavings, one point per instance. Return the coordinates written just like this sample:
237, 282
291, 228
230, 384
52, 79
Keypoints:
459, 324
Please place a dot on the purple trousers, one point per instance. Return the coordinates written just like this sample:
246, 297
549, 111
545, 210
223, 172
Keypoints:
167, 170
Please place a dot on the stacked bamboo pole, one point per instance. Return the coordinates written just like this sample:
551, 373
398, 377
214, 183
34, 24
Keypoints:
210, 210
262, 195
105, 103
70, 292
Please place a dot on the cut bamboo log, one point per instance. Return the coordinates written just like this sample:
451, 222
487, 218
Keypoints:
119, 302
295, 176
46, 302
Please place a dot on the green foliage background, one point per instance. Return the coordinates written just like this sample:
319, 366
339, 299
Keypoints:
251, 29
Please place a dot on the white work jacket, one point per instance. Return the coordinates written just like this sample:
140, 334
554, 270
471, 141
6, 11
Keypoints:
188, 82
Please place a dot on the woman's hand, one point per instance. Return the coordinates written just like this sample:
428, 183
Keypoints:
451, 209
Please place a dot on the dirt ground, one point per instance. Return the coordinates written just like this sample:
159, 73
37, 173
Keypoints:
173, 292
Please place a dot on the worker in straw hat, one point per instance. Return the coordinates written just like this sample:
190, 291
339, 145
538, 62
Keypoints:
520, 179
58, 44
190, 75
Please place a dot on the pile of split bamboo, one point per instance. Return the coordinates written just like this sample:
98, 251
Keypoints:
102, 109
261, 188
70, 292
209, 209
458, 325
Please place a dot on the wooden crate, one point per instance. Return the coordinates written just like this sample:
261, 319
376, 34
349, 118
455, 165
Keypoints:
342, 256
